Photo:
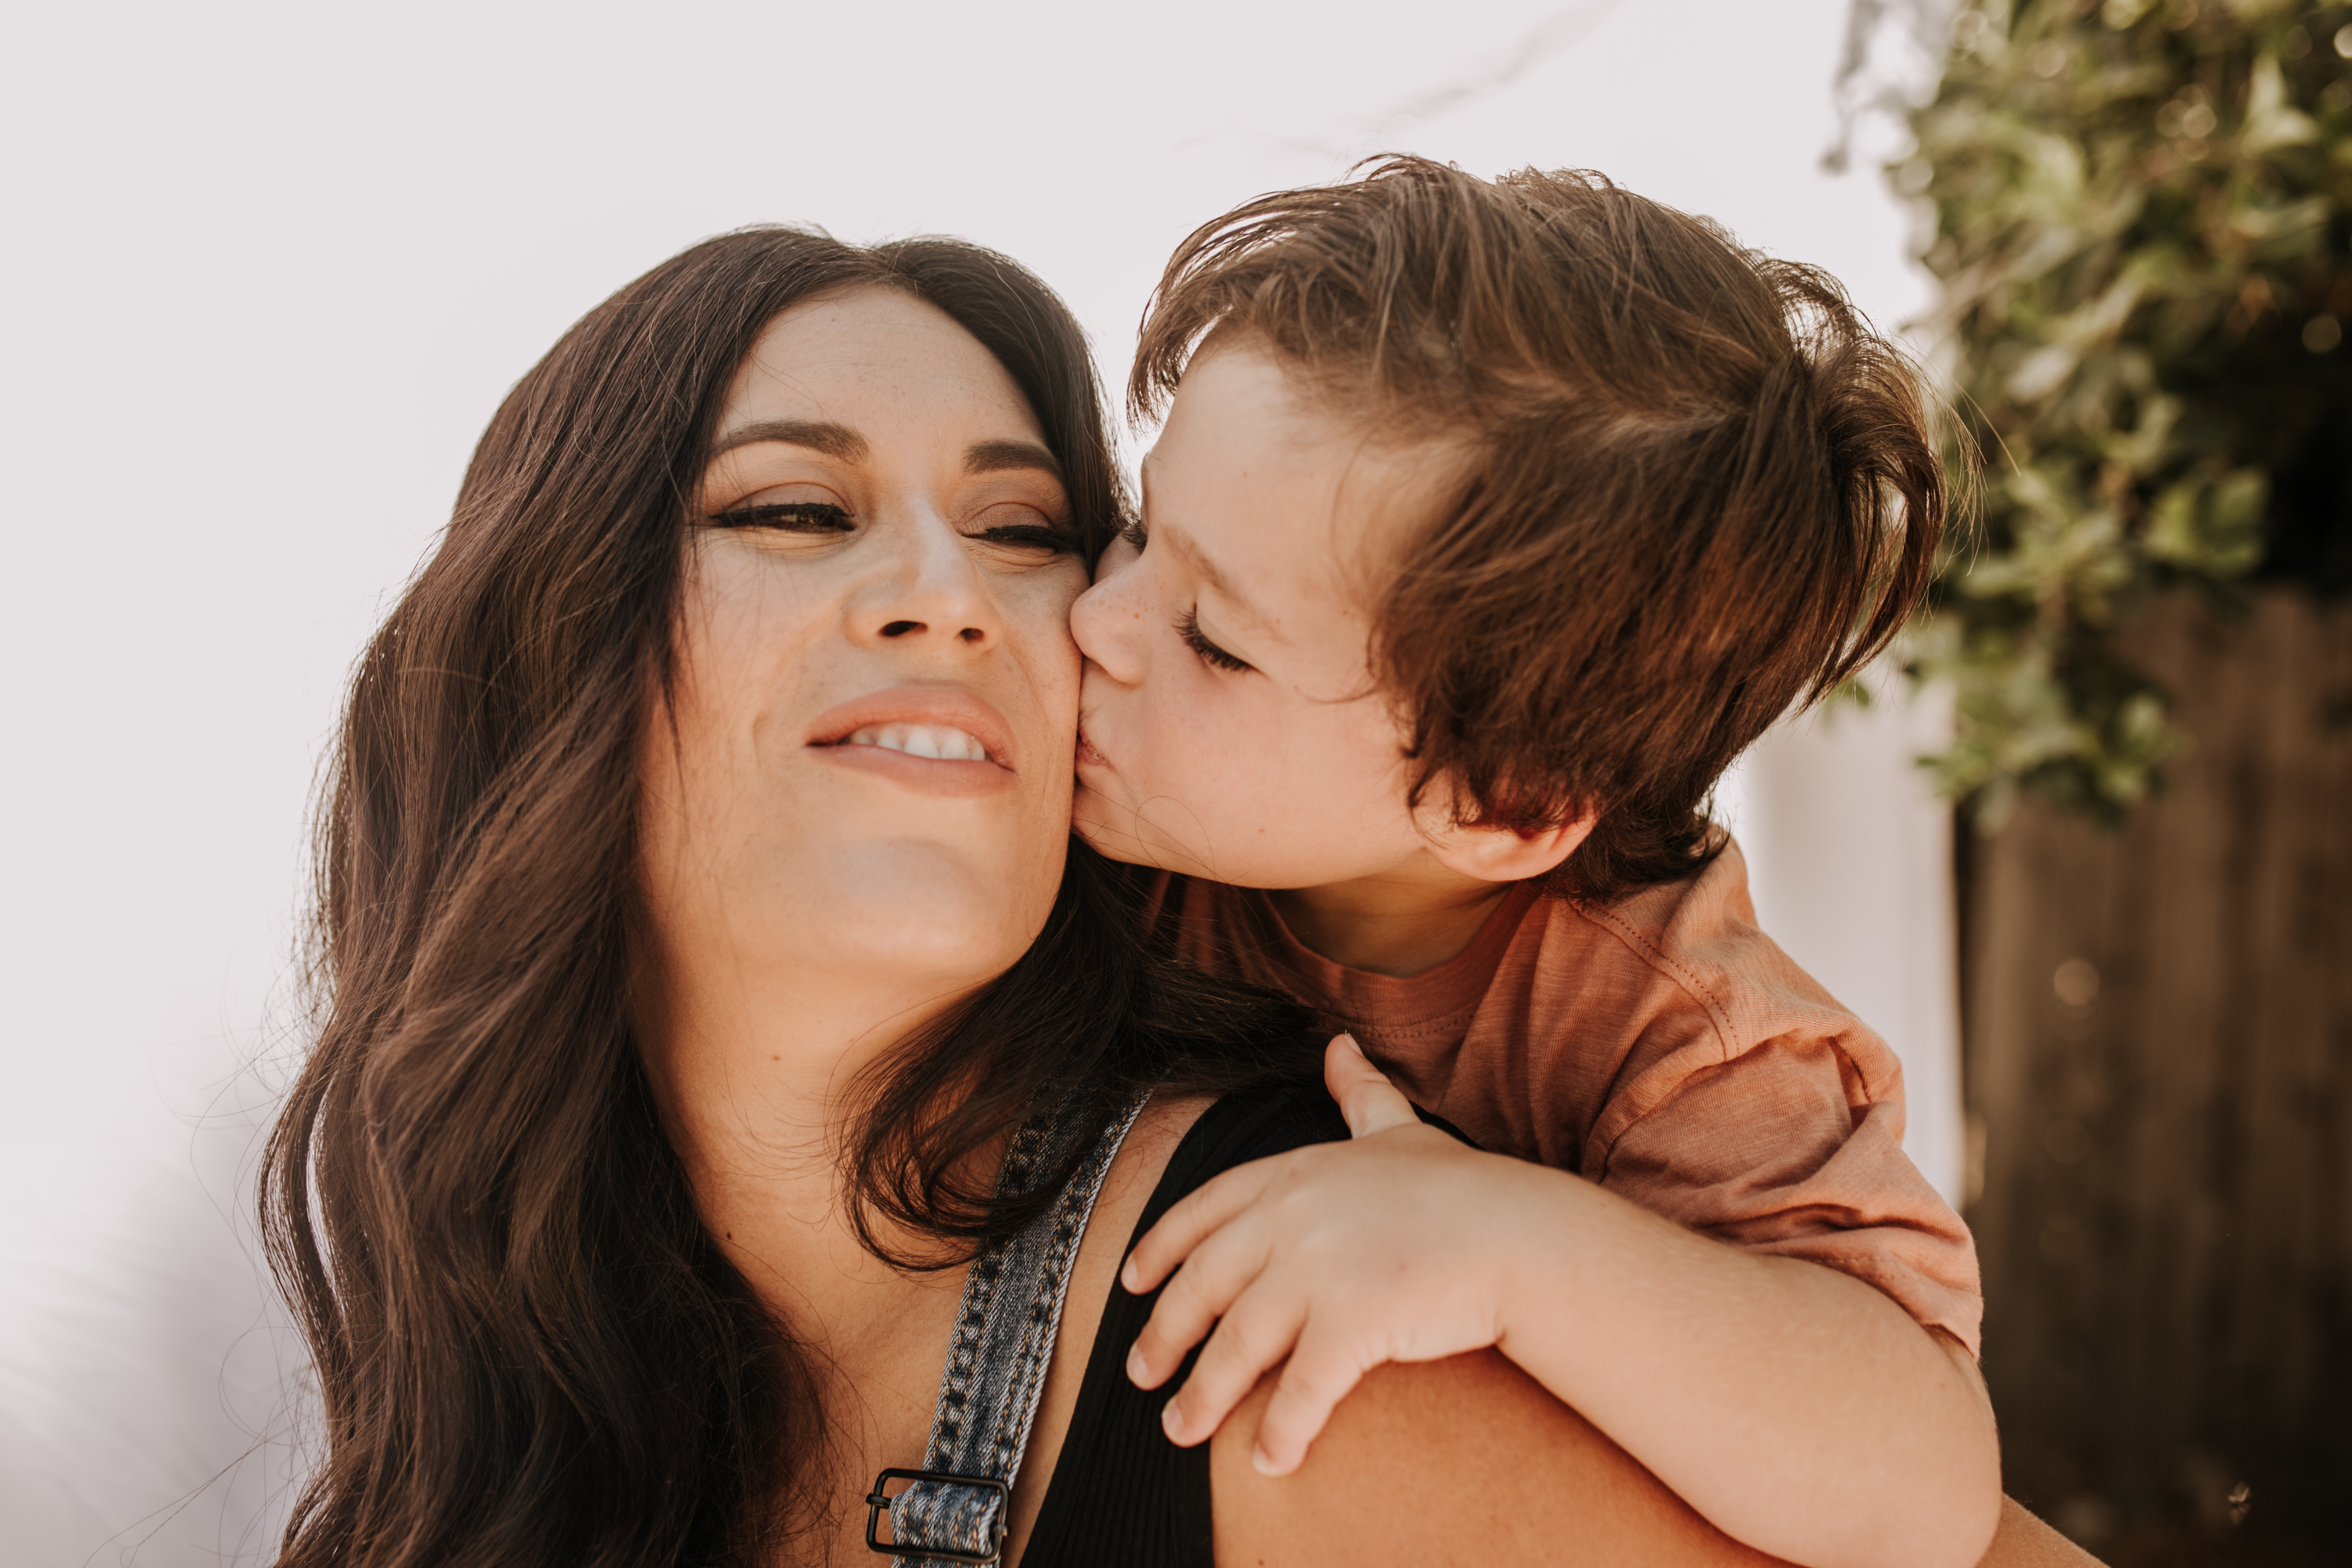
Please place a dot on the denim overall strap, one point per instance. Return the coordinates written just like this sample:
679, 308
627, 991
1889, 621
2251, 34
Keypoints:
958, 1507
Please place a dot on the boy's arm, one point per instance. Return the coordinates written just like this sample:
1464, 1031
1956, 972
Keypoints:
1798, 1408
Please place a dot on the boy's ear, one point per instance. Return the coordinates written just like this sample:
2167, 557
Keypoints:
1498, 853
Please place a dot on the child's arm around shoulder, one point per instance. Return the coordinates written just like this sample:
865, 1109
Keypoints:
1797, 1408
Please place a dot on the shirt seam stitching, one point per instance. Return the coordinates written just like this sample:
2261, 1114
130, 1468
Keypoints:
1718, 1017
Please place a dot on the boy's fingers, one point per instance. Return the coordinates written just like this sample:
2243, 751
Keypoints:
1318, 1376
1255, 1336
1196, 1215
1367, 1099
1203, 1290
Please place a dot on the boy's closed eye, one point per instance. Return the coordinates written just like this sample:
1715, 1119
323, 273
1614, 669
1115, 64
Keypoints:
1137, 537
1188, 626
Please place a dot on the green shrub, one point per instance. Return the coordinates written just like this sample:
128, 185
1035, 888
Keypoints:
2142, 214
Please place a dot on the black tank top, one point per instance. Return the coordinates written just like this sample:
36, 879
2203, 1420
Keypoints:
1121, 1491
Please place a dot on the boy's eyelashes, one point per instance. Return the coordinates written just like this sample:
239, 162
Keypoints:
1188, 626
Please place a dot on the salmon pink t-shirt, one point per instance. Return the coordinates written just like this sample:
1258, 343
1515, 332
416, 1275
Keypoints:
1660, 1046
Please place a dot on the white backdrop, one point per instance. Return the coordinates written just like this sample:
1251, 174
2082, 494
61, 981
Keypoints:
270, 267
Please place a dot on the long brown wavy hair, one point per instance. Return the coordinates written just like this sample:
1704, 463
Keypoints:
530, 1352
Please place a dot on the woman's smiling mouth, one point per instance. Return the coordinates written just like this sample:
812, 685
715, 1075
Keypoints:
938, 742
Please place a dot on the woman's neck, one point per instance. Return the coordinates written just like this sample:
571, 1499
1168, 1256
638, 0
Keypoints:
759, 1089
759, 1085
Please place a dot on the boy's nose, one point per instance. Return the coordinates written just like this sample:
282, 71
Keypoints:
1105, 619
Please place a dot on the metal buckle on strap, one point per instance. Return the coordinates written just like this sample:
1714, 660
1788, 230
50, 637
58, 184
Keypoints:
877, 1500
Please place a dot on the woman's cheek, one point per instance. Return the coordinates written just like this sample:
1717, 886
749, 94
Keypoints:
1042, 609
1058, 588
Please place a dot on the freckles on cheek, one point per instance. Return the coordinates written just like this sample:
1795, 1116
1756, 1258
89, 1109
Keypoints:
725, 722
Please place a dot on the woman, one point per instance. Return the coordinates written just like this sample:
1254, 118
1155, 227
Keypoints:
694, 930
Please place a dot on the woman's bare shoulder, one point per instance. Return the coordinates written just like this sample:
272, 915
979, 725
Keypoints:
1466, 1460
1470, 1461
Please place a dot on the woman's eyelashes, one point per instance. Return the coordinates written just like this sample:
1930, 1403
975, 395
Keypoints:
825, 517
793, 517
1032, 535
1188, 626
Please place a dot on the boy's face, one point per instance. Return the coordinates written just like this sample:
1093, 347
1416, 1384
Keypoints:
1229, 727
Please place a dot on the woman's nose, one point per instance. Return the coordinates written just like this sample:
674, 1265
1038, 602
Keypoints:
930, 591
1107, 617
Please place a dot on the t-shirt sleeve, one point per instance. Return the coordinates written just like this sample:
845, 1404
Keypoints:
1782, 1149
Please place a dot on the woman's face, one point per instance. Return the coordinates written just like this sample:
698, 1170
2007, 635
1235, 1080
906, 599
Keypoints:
864, 775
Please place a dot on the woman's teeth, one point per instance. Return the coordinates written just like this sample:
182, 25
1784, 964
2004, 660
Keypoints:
937, 741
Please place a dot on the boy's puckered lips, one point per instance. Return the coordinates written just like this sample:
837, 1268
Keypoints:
943, 740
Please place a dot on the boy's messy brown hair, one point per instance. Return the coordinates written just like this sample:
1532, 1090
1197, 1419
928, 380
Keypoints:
1698, 490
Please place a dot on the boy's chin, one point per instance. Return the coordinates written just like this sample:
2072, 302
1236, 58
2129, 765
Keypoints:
1116, 832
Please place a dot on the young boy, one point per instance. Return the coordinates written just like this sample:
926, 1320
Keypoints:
1488, 523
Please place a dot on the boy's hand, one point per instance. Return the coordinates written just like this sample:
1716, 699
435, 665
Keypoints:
1395, 1245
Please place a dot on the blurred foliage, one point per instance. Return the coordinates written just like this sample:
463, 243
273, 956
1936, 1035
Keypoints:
2142, 210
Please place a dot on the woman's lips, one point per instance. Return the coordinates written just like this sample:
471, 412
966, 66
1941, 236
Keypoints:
1088, 756
942, 739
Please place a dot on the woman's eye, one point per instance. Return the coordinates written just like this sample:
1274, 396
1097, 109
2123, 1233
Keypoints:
1031, 536
1189, 628
793, 517
1021, 527
1131, 530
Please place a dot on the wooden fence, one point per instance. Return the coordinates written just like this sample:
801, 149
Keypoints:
2159, 1024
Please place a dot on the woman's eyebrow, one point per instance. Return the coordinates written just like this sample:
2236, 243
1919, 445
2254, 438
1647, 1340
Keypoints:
817, 435
989, 457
